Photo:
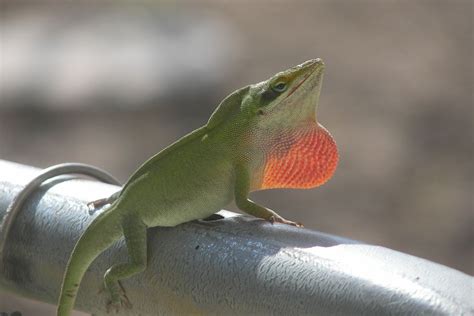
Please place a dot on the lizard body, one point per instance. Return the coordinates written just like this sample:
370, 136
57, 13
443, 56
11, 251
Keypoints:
261, 136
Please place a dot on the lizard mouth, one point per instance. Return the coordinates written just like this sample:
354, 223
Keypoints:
313, 68
299, 84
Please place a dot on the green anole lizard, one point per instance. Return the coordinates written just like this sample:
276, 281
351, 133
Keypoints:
262, 136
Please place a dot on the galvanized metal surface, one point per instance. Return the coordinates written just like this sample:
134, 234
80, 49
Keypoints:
236, 265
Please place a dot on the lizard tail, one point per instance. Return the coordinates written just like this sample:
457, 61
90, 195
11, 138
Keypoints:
99, 235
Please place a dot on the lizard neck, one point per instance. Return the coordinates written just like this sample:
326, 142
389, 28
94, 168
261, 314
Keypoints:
302, 158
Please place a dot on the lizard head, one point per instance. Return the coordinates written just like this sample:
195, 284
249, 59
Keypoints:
289, 98
298, 152
275, 125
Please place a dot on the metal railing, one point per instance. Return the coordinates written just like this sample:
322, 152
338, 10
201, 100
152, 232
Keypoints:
227, 265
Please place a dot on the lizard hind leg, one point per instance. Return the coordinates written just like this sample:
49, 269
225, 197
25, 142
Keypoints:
134, 231
89, 246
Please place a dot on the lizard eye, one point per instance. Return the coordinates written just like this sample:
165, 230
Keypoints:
279, 87
275, 90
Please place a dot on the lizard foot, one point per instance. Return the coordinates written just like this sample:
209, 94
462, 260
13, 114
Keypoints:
101, 202
97, 203
279, 219
121, 302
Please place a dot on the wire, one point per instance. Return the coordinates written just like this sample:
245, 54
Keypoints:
57, 170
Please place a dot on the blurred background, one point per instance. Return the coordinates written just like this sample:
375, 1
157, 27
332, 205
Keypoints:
110, 84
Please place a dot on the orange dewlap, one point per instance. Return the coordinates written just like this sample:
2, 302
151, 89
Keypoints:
307, 161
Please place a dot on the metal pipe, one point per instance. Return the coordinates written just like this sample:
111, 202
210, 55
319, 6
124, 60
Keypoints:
229, 265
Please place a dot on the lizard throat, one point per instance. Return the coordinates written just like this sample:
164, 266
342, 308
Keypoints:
301, 160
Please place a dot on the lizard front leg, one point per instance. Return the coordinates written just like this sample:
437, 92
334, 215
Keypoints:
241, 192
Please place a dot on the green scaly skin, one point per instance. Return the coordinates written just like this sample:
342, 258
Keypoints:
198, 175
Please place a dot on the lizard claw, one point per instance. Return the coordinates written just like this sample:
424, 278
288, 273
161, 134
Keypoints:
116, 306
279, 219
122, 302
125, 302
112, 306
92, 206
